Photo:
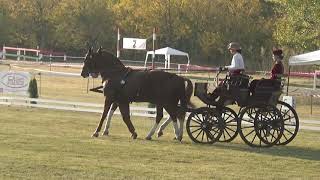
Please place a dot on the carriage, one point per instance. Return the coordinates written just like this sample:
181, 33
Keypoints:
262, 119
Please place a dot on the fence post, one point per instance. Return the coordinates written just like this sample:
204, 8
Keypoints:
18, 54
4, 52
24, 54
37, 53
311, 104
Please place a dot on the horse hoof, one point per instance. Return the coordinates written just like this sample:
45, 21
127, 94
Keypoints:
160, 133
95, 134
106, 133
148, 138
134, 135
179, 139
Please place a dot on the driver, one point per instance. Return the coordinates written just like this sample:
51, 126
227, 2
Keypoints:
235, 68
237, 64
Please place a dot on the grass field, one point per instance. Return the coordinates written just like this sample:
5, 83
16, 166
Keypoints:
47, 144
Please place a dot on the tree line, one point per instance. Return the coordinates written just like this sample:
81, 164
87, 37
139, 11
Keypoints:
203, 28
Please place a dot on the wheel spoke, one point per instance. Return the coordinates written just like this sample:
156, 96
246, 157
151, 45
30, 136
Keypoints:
290, 125
273, 135
288, 131
247, 127
196, 130
224, 136
195, 126
249, 133
254, 139
214, 130
231, 129
198, 134
197, 121
285, 137
202, 135
211, 135
228, 132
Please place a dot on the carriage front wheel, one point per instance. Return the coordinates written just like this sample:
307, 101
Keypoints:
229, 124
203, 125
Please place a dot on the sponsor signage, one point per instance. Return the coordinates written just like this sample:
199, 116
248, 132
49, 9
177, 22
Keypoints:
134, 43
14, 82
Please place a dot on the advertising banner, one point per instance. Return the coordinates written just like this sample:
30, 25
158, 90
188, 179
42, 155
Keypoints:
14, 82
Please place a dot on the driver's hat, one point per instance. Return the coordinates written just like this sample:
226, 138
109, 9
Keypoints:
278, 52
234, 45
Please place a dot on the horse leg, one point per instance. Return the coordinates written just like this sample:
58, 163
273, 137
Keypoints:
113, 108
158, 119
163, 126
107, 104
181, 117
125, 113
173, 114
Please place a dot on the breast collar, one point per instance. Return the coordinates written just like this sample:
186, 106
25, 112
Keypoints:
123, 79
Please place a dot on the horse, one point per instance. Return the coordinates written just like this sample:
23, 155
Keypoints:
123, 85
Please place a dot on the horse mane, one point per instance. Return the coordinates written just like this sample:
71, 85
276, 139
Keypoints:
117, 61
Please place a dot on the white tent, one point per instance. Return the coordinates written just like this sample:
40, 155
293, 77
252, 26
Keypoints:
167, 52
310, 58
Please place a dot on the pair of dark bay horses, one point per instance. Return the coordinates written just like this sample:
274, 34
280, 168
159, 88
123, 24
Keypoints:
123, 85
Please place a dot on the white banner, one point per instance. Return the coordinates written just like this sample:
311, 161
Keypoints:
134, 43
14, 82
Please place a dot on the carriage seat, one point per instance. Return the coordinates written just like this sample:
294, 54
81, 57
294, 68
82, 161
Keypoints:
238, 81
269, 85
267, 91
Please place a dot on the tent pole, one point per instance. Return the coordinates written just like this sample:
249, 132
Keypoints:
153, 46
118, 43
288, 81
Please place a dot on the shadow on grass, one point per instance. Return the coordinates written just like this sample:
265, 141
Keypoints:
283, 151
299, 152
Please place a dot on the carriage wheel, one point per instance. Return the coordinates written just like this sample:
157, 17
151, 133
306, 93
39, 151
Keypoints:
229, 124
291, 123
250, 120
269, 125
203, 126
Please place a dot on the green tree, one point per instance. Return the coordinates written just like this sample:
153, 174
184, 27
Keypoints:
33, 89
80, 23
298, 24
33, 25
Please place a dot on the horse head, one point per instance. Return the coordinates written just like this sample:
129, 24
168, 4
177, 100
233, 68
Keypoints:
101, 61
88, 67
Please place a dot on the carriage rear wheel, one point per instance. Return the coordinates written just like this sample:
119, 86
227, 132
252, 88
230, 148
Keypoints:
260, 126
291, 123
269, 125
229, 124
203, 125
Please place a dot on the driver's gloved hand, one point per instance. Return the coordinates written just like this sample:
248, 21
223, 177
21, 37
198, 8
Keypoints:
221, 68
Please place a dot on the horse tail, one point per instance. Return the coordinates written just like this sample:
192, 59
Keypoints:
188, 92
